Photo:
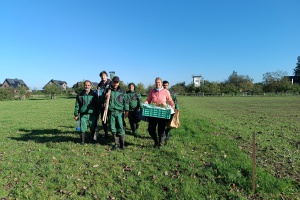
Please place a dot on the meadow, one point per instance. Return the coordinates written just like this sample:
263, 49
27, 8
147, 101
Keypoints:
208, 157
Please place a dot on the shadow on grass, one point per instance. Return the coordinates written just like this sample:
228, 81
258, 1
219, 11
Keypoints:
110, 140
138, 135
57, 136
47, 135
37, 99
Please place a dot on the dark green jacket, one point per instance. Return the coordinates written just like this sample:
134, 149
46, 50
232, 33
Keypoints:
174, 98
102, 87
134, 100
117, 101
86, 103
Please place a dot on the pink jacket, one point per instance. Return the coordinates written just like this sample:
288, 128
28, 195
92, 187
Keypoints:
160, 97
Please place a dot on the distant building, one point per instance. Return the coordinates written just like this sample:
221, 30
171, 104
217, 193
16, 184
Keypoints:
94, 85
13, 83
61, 84
293, 79
197, 80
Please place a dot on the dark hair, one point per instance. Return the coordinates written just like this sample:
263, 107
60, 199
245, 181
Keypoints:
164, 82
87, 81
103, 72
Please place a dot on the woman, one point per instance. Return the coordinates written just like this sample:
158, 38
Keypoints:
158, 96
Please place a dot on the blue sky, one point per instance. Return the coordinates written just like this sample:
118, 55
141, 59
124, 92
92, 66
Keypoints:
73, 40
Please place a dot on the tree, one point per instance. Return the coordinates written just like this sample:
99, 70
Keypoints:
6, 93
272, 80
296, 88
190, 88
52, 90
78, 87
22, 92
123, 86
229, 88
213, 87
241, 82
258, 88
150, 87
179, 88
297, 68
140, 88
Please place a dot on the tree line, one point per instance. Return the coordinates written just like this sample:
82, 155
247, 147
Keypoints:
273, 82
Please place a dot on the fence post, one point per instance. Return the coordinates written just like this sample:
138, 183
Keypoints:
253, 163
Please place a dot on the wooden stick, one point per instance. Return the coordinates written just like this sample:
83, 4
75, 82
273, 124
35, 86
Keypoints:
253, 163
106, 107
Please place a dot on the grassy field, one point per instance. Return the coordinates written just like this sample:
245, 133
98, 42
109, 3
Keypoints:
208, 157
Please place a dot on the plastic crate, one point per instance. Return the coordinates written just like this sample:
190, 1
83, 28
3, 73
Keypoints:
153, 111
141, 117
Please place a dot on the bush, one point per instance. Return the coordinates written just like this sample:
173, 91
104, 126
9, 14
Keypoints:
6, 94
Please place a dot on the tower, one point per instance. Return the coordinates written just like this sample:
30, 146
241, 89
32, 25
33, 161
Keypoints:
111, 74
197, 80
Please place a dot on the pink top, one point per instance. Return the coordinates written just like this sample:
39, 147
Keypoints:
160, 97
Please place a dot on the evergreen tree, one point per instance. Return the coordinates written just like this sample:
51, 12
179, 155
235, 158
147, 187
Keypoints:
297, 68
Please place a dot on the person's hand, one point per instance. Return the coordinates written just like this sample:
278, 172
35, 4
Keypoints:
126, 114
76, 118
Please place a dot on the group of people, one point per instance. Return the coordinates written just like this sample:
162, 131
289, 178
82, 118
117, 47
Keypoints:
111, 104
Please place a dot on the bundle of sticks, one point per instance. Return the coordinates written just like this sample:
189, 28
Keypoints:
106, 107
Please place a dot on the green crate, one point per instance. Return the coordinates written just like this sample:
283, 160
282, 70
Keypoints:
157, 112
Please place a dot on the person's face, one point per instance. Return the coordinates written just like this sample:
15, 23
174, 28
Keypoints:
104, 77
158, 83
87, 86
131, 87
115, 84
166, 86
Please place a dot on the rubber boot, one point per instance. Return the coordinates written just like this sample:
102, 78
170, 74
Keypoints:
95, 135
161, 140
82, 137
133, 128
122, 142
105, 131
154, 137
136, 134
116, 142
167, 134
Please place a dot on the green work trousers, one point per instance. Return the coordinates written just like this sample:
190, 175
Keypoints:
88, 120
116, 123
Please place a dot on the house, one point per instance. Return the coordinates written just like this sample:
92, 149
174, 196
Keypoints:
293, 79
61, 84
94, 85
13, 83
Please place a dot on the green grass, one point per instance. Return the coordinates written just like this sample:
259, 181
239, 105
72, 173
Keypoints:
208, 157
